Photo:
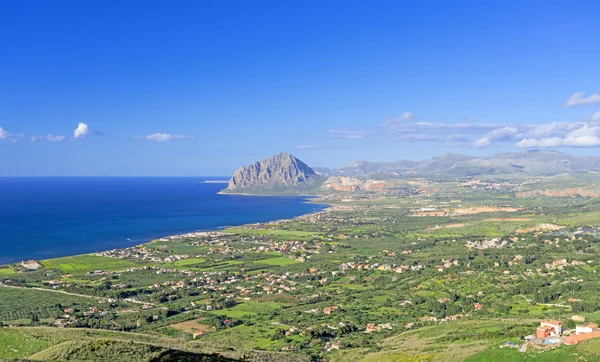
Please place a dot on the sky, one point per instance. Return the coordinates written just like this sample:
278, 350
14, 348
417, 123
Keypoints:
191, 88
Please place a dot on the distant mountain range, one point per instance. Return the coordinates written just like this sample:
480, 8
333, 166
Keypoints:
534, 162
285, 173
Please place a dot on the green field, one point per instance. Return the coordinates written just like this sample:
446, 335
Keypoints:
249, 308
14, 344
87, 263
190, 261
7, 271
282, 261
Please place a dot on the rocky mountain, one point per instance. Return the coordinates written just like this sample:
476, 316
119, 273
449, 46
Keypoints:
281, 173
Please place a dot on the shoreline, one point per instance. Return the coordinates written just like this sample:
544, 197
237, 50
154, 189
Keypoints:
327, 206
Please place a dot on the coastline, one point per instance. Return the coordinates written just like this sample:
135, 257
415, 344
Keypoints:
326, 207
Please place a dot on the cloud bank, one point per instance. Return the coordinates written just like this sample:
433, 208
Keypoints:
586, 136
49, 138
7, 136
405, 117
161, 137
347, 134
501, 134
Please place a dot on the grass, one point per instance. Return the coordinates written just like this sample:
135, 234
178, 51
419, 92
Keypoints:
7, 271
254, 337
282, 261
190, 261
589, 218
79, 344
453, 341
87, 263
14, 344
248, 308
585, 352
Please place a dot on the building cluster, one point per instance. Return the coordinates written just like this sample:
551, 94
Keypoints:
551, 333
494, 243
561, 263
383, 267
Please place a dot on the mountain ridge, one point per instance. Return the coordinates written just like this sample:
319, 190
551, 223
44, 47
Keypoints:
283, 173
532, 162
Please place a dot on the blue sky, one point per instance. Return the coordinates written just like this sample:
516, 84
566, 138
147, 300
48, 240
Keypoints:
202, 87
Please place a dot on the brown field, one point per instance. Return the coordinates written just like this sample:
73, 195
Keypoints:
541, 227
193, 326
449, 226
466, 211
481, 209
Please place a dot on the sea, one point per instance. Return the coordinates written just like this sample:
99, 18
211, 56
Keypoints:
49, 217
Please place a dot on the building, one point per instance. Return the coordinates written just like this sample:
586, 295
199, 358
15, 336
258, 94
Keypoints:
31, 265
557, 325
586, 328
582, 337
549, 329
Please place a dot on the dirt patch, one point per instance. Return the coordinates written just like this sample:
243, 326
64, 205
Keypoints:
449, 226
466, 211
193, 326
541, 227
482, 209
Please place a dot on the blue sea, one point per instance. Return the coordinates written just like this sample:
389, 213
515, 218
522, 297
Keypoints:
43, 218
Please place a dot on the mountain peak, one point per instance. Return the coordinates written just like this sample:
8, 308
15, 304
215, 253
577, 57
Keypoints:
276, 173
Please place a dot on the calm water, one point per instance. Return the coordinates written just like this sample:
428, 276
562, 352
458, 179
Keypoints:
43, 218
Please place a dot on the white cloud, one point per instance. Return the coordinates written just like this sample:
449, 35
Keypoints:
595, 117
501, 134
405, 117
347, 134
160, 137
306, 147
555, 129
585, 136
422, 137
579, 99
83, 130
442, 127
7, 136
50, 138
